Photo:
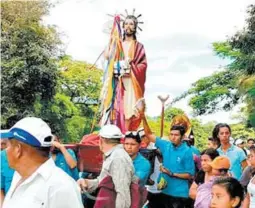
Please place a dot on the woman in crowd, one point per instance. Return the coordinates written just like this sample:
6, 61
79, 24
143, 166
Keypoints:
204, 175
220, 166
250, 196
227, 192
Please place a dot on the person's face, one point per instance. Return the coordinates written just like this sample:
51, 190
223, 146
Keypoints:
205, 160
175, 137
252, 159
250, 143
129, 27
216, 172
224, 135
131, 146
3, 143
222, 199
13, 151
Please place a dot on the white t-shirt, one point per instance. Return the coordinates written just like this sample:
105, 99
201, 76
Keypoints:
251, 191
154, 176
47, 187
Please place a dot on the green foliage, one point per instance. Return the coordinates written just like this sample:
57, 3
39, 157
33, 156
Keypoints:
75, 128
171, 112
35, 81
201, 134
208, 93
79, 80
155, 125
28, 52
73, 109
224, 50
236, 83
240, 130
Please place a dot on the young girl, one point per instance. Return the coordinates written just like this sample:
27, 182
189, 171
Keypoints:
205, 174
227, 192
250, 197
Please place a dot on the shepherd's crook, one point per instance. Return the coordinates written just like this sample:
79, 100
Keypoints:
163, 100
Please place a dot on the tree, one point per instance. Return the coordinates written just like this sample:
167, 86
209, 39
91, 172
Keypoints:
241, 131
234, 84
171, 112
29, 51
38, 80
73, 110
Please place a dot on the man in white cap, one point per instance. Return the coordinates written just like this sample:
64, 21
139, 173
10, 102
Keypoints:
241, 144
37, 182
117, 164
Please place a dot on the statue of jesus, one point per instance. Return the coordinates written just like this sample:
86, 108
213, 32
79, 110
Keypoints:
129, 76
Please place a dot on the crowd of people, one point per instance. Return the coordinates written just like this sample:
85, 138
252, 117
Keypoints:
38, 171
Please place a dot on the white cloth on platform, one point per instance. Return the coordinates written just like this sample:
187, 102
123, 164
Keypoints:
129, 94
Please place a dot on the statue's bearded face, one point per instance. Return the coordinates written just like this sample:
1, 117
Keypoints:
129, 27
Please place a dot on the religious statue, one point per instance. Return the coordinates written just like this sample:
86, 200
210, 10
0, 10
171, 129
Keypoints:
125, 74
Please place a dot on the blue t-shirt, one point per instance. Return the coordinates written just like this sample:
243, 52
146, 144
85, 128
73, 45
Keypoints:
236, 156
61, 163
6, 172
177, 160
142, 168
195, 150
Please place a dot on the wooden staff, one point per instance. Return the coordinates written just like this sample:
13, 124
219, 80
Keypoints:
163, 100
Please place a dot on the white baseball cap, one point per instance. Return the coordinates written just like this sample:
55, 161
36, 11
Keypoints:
239, 141
110, 131
30, 130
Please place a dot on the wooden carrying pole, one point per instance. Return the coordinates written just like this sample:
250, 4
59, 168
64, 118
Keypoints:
163, 100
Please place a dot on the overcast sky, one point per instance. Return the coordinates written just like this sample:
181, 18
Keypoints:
177, 36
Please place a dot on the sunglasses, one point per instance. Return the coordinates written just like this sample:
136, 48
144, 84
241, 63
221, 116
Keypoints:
131, 133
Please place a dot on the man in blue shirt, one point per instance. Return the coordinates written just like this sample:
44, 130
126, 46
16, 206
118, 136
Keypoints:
141, 164
178, 165
236, 155
64, 158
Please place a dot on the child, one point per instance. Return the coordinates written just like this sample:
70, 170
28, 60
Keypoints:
227, 192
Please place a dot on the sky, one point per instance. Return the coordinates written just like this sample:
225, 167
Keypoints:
177, 36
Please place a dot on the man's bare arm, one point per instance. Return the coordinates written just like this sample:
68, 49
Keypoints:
147, 130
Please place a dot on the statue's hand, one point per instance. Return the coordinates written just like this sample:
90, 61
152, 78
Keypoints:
140, 106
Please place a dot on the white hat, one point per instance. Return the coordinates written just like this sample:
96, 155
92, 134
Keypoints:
110, 131
30, 130
239, 141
